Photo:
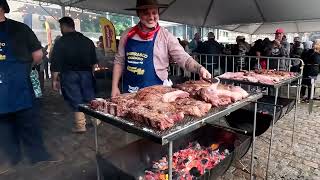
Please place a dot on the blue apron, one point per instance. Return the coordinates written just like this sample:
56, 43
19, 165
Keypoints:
15, 86
139, 69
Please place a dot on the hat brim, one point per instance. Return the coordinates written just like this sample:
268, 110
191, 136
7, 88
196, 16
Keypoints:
5, 7
148, 6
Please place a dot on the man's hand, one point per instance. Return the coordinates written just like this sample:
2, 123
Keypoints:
204, 73
56, 81
56, 85
115, 92
277, 43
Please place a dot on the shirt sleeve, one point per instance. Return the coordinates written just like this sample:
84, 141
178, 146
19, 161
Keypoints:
120, 55
176, 51
93, 55
32, 40
56, 57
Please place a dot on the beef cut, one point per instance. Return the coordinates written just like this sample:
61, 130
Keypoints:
161, 107
193, 107
172, 96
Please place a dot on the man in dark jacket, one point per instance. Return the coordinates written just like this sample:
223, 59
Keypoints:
73, 61
311, 69
296, 52
210, 47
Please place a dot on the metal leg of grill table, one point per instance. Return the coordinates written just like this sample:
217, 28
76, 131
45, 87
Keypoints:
288, 91
253, 140
272, 126
170, 160
295, 112
95, 125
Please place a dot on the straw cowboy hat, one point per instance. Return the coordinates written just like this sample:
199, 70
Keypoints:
145, 4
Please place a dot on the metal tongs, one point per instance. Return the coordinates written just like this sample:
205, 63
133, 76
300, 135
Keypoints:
212, 80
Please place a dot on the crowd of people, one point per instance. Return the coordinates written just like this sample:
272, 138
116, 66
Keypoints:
277, 50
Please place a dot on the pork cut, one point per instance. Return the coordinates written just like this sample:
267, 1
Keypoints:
172, 96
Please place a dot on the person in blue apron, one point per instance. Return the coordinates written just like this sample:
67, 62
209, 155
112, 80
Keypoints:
144, 51
19, 113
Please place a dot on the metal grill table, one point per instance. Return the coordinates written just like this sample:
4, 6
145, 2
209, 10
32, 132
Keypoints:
275, 86
187, 125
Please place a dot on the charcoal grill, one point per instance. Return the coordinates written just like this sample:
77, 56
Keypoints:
181, 129
130, 162
264, 114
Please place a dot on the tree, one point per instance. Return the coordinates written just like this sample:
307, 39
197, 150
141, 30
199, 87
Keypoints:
120, 22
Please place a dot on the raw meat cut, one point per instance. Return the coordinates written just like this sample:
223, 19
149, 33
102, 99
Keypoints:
161, 107
263, 76
172, 96
193, 107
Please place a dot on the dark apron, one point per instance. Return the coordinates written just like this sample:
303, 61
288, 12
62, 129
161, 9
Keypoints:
139, 69
15, 86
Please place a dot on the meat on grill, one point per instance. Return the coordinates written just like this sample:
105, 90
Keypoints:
263, 76
152, 93
216, 94
154, 118
172, 96
161, 107
193, 107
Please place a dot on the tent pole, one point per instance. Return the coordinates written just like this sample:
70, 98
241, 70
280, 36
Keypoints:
208, 12
260, 10
257, 29
48, 12
63, 11
298, 30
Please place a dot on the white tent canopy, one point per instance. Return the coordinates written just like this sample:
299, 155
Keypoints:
268, 28
293, 15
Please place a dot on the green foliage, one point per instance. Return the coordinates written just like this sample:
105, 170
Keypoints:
89, 24
121, 22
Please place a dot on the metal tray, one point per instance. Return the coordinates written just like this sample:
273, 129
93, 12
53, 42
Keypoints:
277, 85
187, 125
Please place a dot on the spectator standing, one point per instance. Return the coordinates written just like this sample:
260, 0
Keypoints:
280, 48
211, 46
73, 61
196, 41
296, 52
311, 69
242, 48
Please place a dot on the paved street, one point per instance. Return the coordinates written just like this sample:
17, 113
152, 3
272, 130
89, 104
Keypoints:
300, 161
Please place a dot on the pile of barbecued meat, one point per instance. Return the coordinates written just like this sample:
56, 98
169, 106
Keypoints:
188, 163
263, 76
161, 107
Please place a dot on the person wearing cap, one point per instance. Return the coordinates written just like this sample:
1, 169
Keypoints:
19, 113
280, 48
296, 52
144, 50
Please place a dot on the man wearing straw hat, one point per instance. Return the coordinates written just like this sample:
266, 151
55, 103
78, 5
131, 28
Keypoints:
144, 52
